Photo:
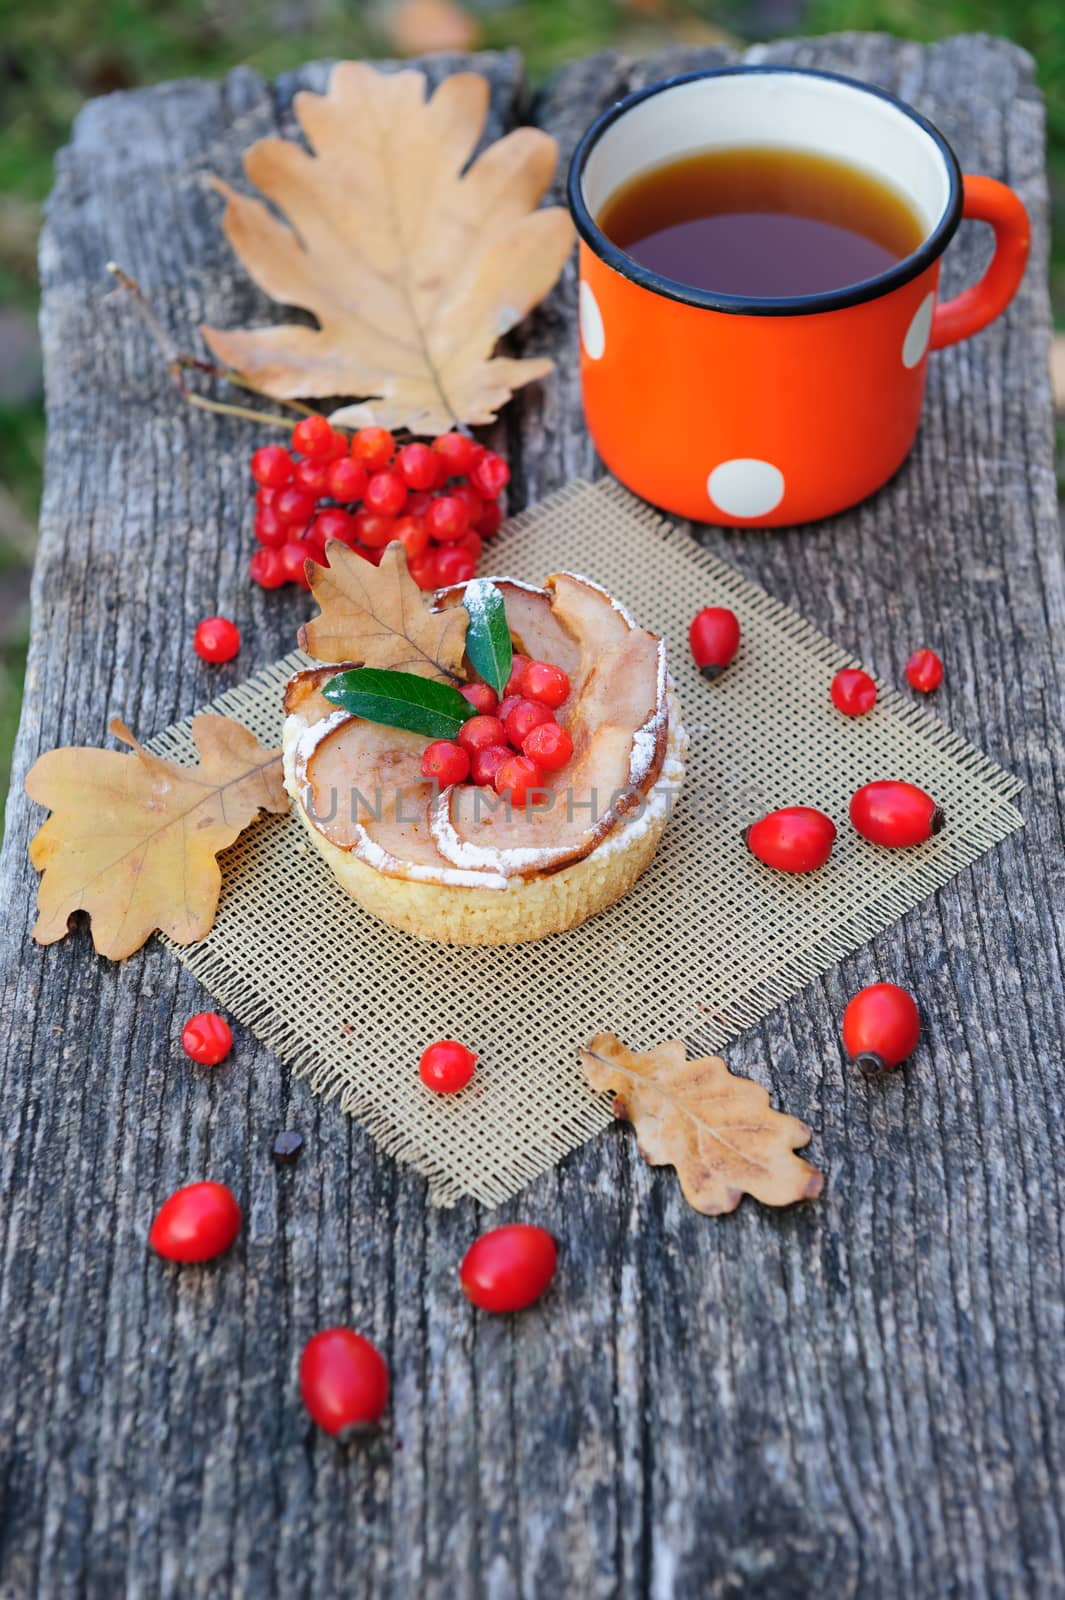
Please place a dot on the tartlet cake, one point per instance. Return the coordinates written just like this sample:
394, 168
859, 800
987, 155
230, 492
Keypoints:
458, 865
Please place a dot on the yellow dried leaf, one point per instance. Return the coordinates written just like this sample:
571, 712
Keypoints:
718, 1130
378, 617
413, 267
132, 839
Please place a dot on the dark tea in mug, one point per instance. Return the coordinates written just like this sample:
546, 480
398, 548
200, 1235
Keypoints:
762, 221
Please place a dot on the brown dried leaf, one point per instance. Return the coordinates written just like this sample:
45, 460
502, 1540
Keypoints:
413, 266
418, 27
132, 839
718, 1130
378, 617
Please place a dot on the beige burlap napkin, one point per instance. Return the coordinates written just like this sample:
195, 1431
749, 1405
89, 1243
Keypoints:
706, 943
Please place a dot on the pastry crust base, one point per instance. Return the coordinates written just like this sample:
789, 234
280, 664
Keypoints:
530, 908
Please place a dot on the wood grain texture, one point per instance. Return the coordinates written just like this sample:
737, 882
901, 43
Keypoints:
864, 1398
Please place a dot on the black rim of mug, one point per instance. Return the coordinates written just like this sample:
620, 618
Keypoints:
852, 294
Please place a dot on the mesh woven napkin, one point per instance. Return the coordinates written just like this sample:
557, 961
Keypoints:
705, 944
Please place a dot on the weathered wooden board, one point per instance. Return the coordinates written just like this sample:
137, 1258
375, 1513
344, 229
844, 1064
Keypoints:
862, 1398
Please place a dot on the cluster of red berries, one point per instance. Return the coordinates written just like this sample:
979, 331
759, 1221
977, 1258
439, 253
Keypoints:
511, 743
440, 500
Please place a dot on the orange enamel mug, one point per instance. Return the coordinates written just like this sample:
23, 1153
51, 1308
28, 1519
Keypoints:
763, 412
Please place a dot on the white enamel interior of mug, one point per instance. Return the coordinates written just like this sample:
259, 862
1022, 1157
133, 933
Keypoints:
784, 109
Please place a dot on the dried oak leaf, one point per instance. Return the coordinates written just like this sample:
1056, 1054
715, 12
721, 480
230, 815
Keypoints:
413, 267
378, 617
132, 839
718, 1130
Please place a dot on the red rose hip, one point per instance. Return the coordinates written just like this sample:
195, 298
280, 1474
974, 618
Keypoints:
508, 1268
853, 692
881, 1027
343, 1381
794, 839
197, 1223
714, 637
207, 1038
894, 814
924, 671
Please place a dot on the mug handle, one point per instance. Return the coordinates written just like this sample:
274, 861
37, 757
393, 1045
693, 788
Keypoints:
986, 200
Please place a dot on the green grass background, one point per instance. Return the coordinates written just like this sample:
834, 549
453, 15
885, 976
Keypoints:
55, 56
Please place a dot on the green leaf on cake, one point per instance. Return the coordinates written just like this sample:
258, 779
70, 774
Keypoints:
488, 646
400, 700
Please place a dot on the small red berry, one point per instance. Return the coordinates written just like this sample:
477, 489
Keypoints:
481, 731
458, 450
269, 529
454, 565
271, 467
446, 1066
313, 437
347, 480
445, 761
482, 697
216, 639
546, 683
471, 544
264, 498
508, 1268
894, 813
373, 447
265, 567
507, 704
526, 716
490, 475
418, 504
313, 476
881, 1027
447, 518
207, 1038
295, 506
714, 637
487, 762
515, 683
853, 692
924, 671
374, 528
489, 519
423, 570
294, 558
794, 839
518, 776
548, 745
418, 465
386, 493
196, 1223
343, 1381
413, 535
469, 497
332, 523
